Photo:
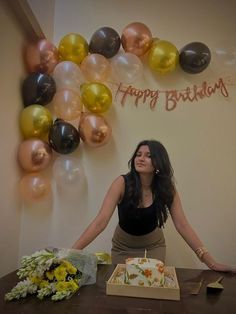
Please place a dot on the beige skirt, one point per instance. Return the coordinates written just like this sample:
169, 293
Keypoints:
125, 245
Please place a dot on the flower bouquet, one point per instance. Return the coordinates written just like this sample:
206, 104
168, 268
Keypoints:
56, 273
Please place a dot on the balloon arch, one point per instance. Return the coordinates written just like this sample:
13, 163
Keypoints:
74, 78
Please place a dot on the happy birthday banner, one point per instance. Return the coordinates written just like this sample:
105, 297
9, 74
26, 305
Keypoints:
152, 98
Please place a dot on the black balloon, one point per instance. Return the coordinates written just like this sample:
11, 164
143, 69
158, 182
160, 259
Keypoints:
63, 137
38, 88
105, 41
194, 57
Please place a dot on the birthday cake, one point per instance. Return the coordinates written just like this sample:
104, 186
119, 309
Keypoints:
142, 271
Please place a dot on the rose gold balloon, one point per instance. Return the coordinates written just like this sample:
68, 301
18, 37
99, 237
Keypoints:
67, 104
34, 155
41, 56
136, 38
96, 67
94, 130
34, 187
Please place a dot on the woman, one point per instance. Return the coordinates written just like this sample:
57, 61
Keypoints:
144, 197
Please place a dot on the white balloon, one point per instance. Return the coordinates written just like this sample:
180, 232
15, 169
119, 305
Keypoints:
34, 187
96, 67
126, 67
224, 56
67, 104
68, 172
67, 74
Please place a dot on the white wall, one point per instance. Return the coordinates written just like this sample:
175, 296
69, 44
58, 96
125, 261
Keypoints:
12, 72
199, 135
44, 11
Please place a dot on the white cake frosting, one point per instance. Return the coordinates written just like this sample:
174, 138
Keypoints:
144, 272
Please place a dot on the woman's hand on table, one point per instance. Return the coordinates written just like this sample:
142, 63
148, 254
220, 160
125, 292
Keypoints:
223, 267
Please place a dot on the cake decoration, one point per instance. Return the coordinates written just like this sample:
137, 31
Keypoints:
143, 271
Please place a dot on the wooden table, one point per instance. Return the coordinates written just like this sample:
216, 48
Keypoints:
93, 299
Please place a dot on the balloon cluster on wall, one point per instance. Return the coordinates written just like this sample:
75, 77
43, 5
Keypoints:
72, 77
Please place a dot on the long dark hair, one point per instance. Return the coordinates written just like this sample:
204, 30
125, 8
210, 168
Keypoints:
162, 186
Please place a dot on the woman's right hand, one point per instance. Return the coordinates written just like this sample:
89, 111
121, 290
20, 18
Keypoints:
223, 268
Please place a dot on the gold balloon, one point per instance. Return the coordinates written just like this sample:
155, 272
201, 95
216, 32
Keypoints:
94, 130
163, 57
35, 121
96, 97
34, 155
73, 47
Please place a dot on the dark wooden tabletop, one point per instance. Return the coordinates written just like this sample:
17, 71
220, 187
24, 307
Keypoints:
93, 299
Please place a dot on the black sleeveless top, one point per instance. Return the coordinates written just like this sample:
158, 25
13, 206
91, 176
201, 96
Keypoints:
135, 220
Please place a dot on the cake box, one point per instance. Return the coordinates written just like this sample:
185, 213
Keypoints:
169, 291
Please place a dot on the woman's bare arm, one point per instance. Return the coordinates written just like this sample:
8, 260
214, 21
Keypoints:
112, 198
186, 231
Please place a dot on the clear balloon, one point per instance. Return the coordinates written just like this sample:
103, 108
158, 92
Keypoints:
94, 130
194, 57
105, 41
96, 97
34, 187
224, 55
63, 137
68, 172
136, 38
38, 88
35, 121
67, 104
73, 47
41, 56
126, 67
96, 67
163, 57
34, 155
68, 75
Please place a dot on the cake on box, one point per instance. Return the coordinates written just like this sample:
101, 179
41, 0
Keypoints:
142, 271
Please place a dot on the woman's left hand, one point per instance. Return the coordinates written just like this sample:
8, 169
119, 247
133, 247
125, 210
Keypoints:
222, 267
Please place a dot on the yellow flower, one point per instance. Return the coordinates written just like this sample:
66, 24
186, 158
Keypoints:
77, 281
60, 273
61, 286
72, 285
50, 274
43, 284
69, 267
35, 279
